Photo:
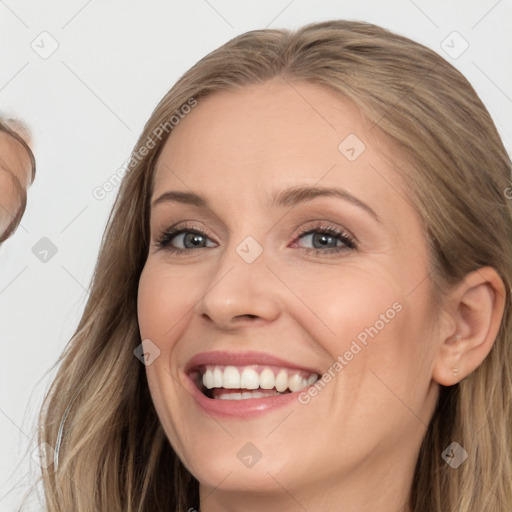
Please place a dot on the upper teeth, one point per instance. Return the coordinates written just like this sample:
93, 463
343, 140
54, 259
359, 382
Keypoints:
232, 377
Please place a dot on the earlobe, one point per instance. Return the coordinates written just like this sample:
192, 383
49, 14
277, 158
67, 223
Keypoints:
479, 302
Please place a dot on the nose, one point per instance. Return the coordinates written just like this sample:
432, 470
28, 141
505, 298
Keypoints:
240, 293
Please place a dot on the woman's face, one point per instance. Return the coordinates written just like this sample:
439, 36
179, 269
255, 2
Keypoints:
328, 284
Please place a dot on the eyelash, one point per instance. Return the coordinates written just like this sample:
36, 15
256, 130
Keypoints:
349, 243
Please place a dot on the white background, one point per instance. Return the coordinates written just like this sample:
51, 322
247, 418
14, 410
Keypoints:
86, 105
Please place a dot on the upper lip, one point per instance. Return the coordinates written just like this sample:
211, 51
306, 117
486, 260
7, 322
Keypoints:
224, 358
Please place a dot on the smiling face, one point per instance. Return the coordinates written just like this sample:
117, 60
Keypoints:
329, 283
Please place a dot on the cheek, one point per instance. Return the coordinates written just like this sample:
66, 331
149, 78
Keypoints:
160, 307
368, 320
164, 299
344, 304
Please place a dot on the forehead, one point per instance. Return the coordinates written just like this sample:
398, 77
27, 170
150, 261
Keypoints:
257, 138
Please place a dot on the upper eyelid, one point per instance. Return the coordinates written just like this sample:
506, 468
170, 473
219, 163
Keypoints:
319, 226
223, 227
190, 224
206, 216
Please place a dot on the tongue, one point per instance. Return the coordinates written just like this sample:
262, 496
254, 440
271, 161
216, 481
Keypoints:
221, 391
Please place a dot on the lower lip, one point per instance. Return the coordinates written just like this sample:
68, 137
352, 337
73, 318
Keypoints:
245, 408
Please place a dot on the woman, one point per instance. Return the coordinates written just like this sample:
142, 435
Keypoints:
310, 259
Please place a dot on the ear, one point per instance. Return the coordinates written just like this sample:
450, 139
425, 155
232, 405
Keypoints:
476, 309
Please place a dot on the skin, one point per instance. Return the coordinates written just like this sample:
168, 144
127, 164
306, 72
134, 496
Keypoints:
15, 177
355, 445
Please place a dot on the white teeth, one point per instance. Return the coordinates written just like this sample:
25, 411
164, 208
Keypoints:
242, 396
249, 379
231, 396
295, 382
208, 379
253, 394
267, 379
231, 377
218, 377
282, 381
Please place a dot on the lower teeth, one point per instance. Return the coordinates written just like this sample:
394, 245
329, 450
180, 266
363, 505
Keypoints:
221, 394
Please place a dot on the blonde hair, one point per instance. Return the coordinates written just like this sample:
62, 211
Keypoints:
112, 452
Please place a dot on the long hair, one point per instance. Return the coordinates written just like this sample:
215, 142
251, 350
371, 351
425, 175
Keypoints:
113, 455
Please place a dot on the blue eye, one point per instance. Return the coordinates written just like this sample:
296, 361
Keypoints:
325, 239
190, 238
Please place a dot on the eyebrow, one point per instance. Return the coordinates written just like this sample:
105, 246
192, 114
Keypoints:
288, 197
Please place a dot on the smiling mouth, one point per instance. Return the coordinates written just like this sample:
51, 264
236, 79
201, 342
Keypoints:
247, 382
